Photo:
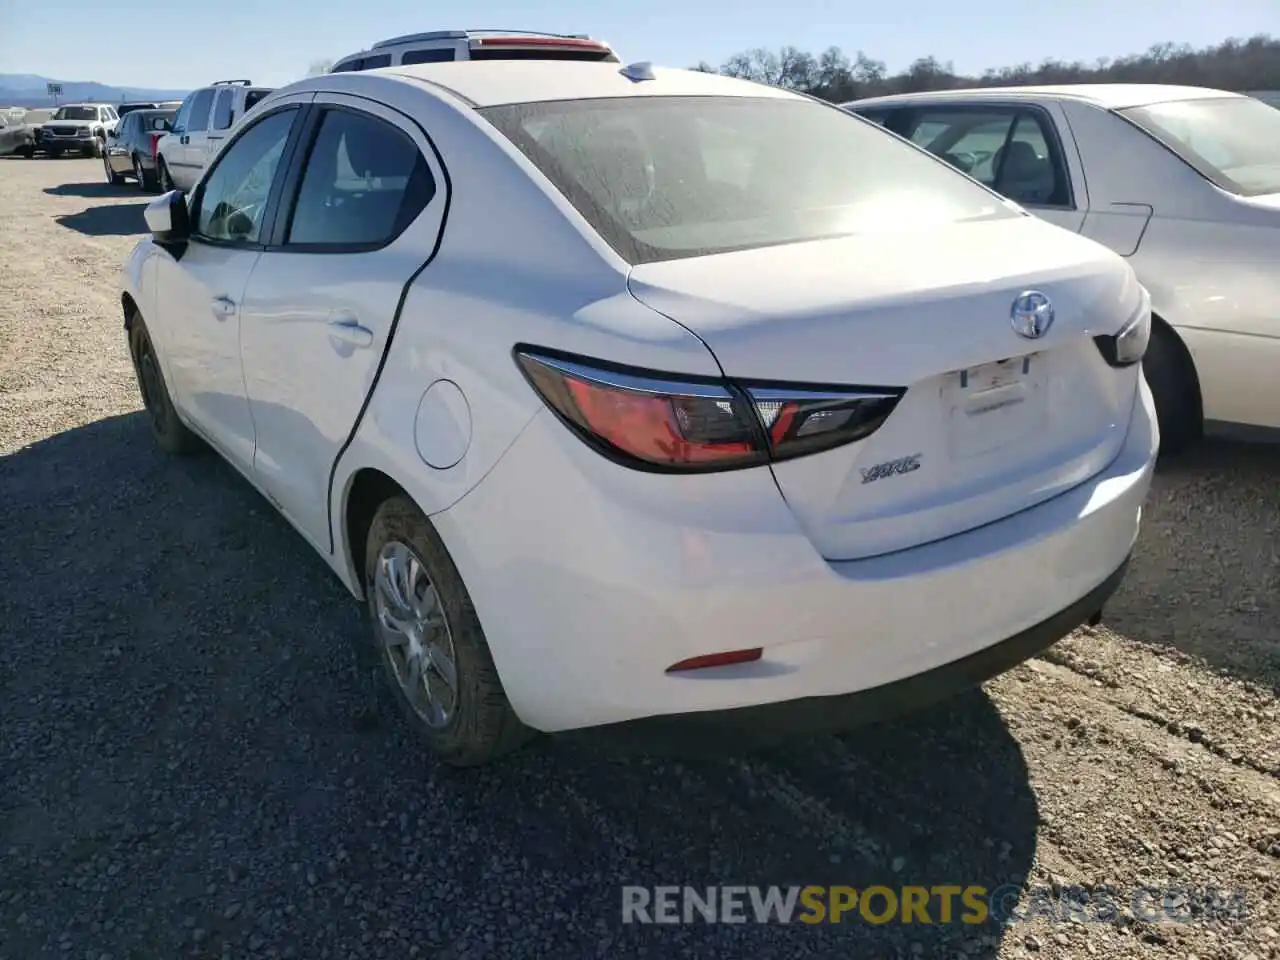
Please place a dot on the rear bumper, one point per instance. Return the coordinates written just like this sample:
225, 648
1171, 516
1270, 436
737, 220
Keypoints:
590, 580
831, 714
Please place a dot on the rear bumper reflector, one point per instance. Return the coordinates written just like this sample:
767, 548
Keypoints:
717, 660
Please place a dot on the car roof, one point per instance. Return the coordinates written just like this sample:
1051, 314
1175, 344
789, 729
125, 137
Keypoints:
1109, 96
486, 83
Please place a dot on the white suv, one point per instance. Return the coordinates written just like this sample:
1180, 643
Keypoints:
79, 128
203, 120
443, 46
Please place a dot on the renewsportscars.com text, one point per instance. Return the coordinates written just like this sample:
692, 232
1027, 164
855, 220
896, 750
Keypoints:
940, 904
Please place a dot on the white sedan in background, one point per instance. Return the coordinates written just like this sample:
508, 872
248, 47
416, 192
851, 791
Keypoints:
620, 393
1183, 181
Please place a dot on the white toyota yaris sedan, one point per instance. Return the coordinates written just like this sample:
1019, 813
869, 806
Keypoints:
622, 393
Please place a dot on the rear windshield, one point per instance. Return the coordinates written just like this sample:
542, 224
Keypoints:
1234, 142
157, 119
76, 113
590, 54
662, 178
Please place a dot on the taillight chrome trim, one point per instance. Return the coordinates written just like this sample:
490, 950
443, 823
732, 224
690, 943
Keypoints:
650, 382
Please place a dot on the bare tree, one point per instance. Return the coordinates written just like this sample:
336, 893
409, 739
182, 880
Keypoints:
1252, 64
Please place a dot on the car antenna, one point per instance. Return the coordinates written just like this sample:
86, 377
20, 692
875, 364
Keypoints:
636, 72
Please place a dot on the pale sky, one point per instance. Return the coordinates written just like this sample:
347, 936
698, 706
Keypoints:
181, 44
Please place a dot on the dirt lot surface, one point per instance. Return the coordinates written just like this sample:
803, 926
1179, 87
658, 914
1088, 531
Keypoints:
187, 768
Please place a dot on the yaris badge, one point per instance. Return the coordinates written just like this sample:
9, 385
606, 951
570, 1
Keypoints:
1032, 314
891, 468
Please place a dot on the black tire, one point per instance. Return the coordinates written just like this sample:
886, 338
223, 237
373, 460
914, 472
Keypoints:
170, 433
482, 726
112, 176
162, 176
146, 182
28, 151
99, 148
1175, 389
54, 154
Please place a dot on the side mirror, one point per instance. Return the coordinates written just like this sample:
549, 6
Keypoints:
168, 219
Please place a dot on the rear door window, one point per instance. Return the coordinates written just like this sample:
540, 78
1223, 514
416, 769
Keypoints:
363, 183
222, 109
198, 120
1009, 149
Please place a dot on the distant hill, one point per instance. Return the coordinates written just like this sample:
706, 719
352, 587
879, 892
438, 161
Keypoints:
30, 90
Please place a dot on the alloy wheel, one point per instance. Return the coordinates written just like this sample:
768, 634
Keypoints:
416, 638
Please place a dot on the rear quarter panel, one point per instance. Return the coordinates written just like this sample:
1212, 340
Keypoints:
1217, 285
512, 267
1207, 259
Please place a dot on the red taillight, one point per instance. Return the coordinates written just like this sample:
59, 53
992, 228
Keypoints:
664, 428
659, 422
717, 660
540, 42
650, 422
155, 144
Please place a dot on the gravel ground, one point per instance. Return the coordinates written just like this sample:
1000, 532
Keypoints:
188, 767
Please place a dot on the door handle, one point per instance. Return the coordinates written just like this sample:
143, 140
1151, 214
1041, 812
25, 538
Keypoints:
223, 307
348, 330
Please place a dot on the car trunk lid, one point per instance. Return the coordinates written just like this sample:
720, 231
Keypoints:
991, 422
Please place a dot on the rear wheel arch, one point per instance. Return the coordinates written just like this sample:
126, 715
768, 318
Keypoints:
130, 308
367, 490
1171, 374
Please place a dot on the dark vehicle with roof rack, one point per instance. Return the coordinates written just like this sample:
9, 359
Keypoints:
131, 106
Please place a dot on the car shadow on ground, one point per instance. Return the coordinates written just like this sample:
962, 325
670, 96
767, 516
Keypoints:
94, 191
115, 220
183, 705
1214, 508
